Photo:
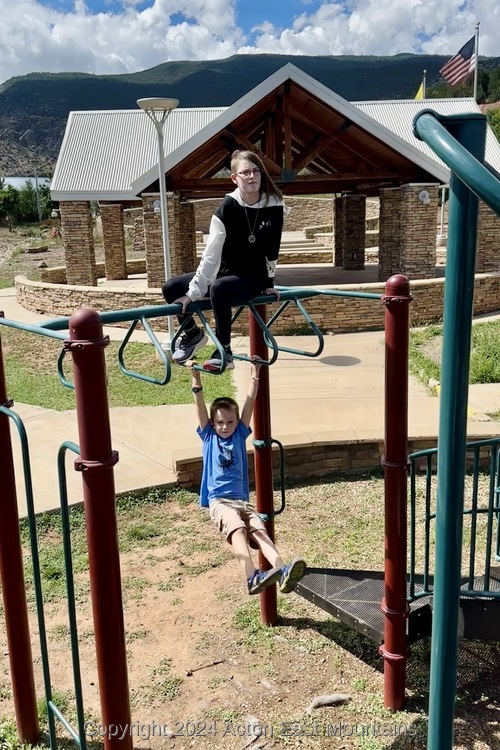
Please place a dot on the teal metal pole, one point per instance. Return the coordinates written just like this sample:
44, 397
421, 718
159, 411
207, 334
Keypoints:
470, 131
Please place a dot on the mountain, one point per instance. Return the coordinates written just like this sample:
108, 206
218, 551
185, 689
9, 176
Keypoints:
40, 102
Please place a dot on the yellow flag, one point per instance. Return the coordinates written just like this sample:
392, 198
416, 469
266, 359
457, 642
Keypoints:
420, 92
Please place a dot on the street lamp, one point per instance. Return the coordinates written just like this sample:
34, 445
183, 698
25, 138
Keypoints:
158, 109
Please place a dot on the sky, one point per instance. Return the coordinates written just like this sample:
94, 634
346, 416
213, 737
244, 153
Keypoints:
125, 36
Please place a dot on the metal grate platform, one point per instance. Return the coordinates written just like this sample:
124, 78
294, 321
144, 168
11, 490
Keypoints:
354, 597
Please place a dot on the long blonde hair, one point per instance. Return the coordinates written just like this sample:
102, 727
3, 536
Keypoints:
267, 186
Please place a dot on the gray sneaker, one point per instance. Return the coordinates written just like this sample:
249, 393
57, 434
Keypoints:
214, 364
188, 344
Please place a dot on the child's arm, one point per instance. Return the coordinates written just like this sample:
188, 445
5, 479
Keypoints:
197, 389
246, 413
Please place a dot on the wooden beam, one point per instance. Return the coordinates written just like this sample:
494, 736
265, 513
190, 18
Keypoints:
278, 134
307, 158
270, 163
288, 126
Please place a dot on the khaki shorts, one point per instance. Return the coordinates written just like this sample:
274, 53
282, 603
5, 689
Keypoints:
230, 515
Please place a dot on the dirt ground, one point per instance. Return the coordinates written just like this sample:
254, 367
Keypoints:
204, 673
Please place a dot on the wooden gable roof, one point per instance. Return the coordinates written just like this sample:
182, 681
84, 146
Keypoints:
310, 144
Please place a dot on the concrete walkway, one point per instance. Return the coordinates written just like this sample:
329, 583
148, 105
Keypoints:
336, 396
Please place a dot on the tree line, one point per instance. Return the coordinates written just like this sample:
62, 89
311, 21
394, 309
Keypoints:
20, 205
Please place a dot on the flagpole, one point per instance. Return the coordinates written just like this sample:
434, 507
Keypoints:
424, 73
476, 59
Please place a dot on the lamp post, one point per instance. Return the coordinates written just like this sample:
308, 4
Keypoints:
158, 109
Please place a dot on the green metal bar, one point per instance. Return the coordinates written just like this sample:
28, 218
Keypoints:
269, 339
413, 526
470, 131
60, 371
217, 343
473, 513
159, 350
79, 736
489, 523
304, 293
428, 517
161, 311
310, 322
35, 557
497, 490
51, 334
463, 158
266, 444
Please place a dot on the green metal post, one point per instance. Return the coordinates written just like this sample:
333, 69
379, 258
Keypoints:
470, 131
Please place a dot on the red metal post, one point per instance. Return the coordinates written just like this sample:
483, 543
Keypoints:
263, 457
13, 588
395, 462
96, 463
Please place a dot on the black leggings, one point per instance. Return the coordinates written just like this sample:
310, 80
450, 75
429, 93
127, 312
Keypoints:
224, 293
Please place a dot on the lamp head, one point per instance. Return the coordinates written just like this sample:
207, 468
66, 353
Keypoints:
157, 104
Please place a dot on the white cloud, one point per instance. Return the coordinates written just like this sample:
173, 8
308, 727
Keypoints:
35, 37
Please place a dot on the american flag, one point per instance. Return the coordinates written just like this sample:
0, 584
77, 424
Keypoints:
458, 67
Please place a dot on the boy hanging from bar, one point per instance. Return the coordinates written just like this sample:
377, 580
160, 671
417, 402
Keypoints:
225, 486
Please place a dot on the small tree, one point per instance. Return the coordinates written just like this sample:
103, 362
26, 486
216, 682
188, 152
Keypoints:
9, 204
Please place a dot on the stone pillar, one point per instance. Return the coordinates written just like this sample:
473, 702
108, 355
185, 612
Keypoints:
182, 236
339, 231
389, 242
138, 243
78, 238
113, 236
354, 234
419, 231
155, 266
488, 240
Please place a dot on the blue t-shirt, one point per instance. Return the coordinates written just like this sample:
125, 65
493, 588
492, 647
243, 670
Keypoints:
225, 465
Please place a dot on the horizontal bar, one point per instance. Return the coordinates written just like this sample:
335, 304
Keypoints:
32, 329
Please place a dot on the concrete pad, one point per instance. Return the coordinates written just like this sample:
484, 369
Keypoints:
484, 398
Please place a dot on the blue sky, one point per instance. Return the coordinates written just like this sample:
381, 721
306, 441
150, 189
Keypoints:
121, 36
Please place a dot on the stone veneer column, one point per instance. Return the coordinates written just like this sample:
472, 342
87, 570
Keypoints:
338, 231
354, 234
488, 240
78, 239
138, 242
113, 235
389, 242
419, 231
182, 236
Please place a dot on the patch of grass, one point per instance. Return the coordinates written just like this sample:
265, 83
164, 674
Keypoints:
484, 359
421, 364
254, 633
31, 372
136, 635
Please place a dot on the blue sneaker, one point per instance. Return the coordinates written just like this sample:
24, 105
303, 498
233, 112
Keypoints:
262, 578
291, 574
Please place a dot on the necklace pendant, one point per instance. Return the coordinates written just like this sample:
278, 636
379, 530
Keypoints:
251, 238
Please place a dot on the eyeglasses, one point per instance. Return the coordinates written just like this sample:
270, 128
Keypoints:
246, 173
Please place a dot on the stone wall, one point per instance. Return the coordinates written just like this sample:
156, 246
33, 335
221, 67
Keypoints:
337, 314
488, 240
325, 456
303, 210
418, 231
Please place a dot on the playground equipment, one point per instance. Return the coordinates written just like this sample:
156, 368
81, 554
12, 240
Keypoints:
96, 460
406, 610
